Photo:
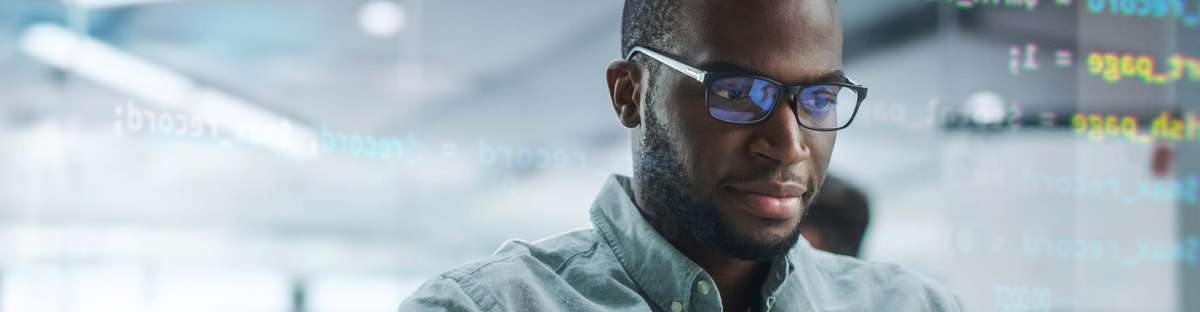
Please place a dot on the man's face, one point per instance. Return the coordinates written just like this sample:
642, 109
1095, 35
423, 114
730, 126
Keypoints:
741, 189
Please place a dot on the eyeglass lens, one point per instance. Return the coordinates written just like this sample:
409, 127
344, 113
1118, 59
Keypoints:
743, 100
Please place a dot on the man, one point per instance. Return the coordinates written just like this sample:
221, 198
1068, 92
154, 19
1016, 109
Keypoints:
733, 108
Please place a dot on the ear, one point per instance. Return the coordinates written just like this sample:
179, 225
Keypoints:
625, 88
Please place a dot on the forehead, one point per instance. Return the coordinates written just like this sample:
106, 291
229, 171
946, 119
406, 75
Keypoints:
789, 40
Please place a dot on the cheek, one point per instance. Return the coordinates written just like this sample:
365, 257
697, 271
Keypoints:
822, 144
821, 147
705, 144
715, 156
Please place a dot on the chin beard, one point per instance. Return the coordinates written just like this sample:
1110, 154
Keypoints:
667, 193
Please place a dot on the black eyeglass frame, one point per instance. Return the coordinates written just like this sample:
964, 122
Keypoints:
708, 78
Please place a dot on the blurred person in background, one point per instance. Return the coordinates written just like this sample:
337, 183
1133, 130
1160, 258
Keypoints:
733, 108
837, 219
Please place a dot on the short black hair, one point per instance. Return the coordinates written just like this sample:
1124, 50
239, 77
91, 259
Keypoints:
649, 23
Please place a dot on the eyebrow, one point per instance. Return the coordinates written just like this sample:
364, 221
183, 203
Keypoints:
732, 68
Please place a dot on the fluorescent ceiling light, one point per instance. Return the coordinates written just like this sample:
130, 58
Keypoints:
87, 57
102, 4
162, 87
236, 114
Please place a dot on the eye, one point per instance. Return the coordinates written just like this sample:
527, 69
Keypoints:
822, 100
731, 94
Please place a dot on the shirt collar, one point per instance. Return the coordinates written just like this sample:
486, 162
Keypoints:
657, 267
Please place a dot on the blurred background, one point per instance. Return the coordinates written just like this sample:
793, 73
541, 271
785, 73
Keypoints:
305, 155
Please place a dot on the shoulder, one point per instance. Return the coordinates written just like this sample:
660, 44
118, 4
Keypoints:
882, 284
516, 258
530, 273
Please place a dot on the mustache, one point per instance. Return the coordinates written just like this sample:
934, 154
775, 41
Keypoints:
793, 174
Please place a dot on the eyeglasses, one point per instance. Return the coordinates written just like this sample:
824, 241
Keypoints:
748, 99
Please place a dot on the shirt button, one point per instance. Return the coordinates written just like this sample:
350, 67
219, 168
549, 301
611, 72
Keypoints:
703, 287
676, 306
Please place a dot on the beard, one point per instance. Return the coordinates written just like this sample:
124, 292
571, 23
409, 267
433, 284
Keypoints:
681, 214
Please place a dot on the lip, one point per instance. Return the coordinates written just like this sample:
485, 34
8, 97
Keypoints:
770, 200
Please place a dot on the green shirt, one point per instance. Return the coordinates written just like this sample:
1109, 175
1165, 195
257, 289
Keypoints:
623, 264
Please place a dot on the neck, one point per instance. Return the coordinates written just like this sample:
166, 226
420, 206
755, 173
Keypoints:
738, 281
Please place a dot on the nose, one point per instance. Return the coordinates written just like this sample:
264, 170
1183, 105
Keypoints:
780, 139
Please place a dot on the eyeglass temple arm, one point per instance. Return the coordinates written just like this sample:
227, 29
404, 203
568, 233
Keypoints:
681, 67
